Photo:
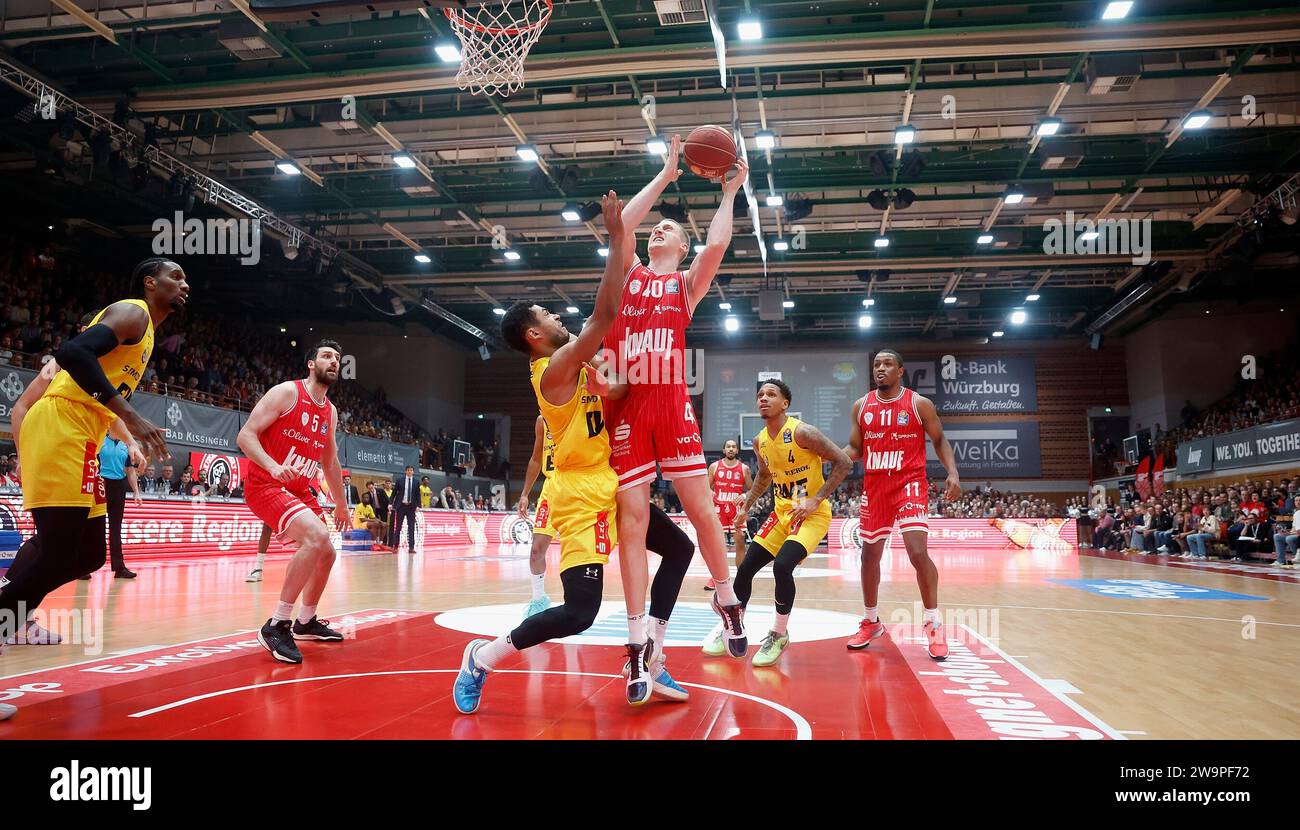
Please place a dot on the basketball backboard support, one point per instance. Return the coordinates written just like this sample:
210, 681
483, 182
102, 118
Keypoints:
719, 42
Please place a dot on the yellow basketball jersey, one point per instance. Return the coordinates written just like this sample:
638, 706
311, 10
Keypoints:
796, 472
548, 452
124, 366
577, 428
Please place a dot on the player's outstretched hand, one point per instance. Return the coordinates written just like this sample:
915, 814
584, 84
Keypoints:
611, 207
597, 382
153, 443
735, 183
741, 520
952, 488
136, 456
672, 168
342, 521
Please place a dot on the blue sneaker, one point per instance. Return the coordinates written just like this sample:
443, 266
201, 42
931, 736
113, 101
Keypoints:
537, 606
638, 677
667, 687
468, 691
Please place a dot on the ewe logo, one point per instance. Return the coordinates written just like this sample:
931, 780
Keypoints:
76, 783
12, 386
174, 414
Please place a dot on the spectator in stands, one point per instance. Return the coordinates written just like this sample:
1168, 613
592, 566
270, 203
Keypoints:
1185, 524
183, 486
222, 487
1255, 536
1286, 539
1143, 532
1208, 531
163, 483
350, 494
1164, 529
238, 492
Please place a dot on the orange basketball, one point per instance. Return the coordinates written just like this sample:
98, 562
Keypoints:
710, 151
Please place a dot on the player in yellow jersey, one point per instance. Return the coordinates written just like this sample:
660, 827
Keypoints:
582, 494
541, 461
790, 455
63, 429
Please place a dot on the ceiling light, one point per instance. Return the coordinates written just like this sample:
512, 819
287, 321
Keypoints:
950, 300
1108, 410
1018, 317
765, 139
905, 134
603, 251
780, 245
423, 258
527, 152
731, 324
997, 334
775, 200
864, 321
750, 29
881, 242
448, 51
403, 161
1013, 197
499, 311
570, 214
1049, 126
655, 144
513, 256
573, 309
787, 304
868, 302
725, 306
984, 239
1117, 9
1196, 120
288, 168
1032, 298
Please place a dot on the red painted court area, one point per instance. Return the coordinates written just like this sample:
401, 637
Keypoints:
392, 679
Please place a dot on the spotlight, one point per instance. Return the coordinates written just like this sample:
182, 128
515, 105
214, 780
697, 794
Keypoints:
868, 302
775, 200
1117, 9
881, 242
950, 300
449, 52
905, 134
403, 161
750, 29
288, 168
699, 247
1048, 126
603, 251
731, 324
904, 198
998, 333
526, 152
780, 245
1013, 197
984, 239
573, 309
423, 259
787, 304
570, 213
655, 144
1032, 298
877, 199
499, 311
290, 250
513, 256
765, 139
1196, 120
864, 321
724, 306
1018, 317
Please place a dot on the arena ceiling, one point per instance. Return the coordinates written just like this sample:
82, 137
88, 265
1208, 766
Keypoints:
832, 80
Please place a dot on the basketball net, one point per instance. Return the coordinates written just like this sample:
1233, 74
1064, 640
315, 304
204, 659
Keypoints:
495, 37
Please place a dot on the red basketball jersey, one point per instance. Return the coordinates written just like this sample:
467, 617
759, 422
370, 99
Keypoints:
296, 439
728, 483
649, 337
893, 441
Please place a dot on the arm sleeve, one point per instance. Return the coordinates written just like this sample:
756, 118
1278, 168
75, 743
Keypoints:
80, 358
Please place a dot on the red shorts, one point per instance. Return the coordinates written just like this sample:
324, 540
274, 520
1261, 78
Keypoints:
886, 500
277, 504
654, 424
726, 514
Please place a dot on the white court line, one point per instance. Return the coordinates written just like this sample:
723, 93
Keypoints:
1093, 719
1130, 732
803, 730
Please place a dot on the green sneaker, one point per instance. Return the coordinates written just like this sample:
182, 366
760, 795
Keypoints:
772, 648
537, 606
716, 646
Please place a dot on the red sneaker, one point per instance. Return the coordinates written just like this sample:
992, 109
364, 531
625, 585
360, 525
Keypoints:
867, 632
938, 645
710, 585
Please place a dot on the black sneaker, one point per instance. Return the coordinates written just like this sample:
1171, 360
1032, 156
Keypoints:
276, 638
315, 630
124, 574
638, 678
733, 626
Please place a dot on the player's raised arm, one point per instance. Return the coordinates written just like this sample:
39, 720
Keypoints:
568, 360
638, 208
705, 265
811, 438
854, 448
534, 463
761, 483
121, 323
268, 409
934, 429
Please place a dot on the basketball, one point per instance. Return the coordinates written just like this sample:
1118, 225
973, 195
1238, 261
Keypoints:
710, 151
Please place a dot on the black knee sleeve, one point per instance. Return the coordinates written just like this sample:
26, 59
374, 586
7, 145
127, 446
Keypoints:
665, 538
583, 586
787, 559
755, 558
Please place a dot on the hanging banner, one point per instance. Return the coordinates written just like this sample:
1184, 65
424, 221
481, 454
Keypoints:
369, 454
1143, 480
13, 382
191, 424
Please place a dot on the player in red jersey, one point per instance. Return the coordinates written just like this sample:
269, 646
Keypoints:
649, 411
289, 438
889, 428
729, 480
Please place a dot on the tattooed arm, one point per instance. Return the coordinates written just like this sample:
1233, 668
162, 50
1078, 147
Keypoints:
811, 438
761, 483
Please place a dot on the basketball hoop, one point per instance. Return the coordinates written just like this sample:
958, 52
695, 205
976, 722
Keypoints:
495, 37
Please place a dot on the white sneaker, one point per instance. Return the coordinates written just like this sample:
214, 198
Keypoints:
255, 576
34, 634
7, 711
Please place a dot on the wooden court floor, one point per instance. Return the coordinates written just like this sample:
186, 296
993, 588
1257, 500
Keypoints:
1045, 645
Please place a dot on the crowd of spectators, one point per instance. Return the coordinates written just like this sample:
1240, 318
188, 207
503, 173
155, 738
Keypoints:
1239, 521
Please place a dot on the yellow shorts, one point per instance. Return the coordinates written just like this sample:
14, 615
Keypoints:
582, 514
543, 523
775, 532
60, 456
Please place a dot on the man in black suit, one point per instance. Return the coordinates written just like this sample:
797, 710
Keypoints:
406, 500
350, 492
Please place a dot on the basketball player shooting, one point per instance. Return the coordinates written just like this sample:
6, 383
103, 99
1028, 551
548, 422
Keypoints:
650, 415
889, 428
289, 438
